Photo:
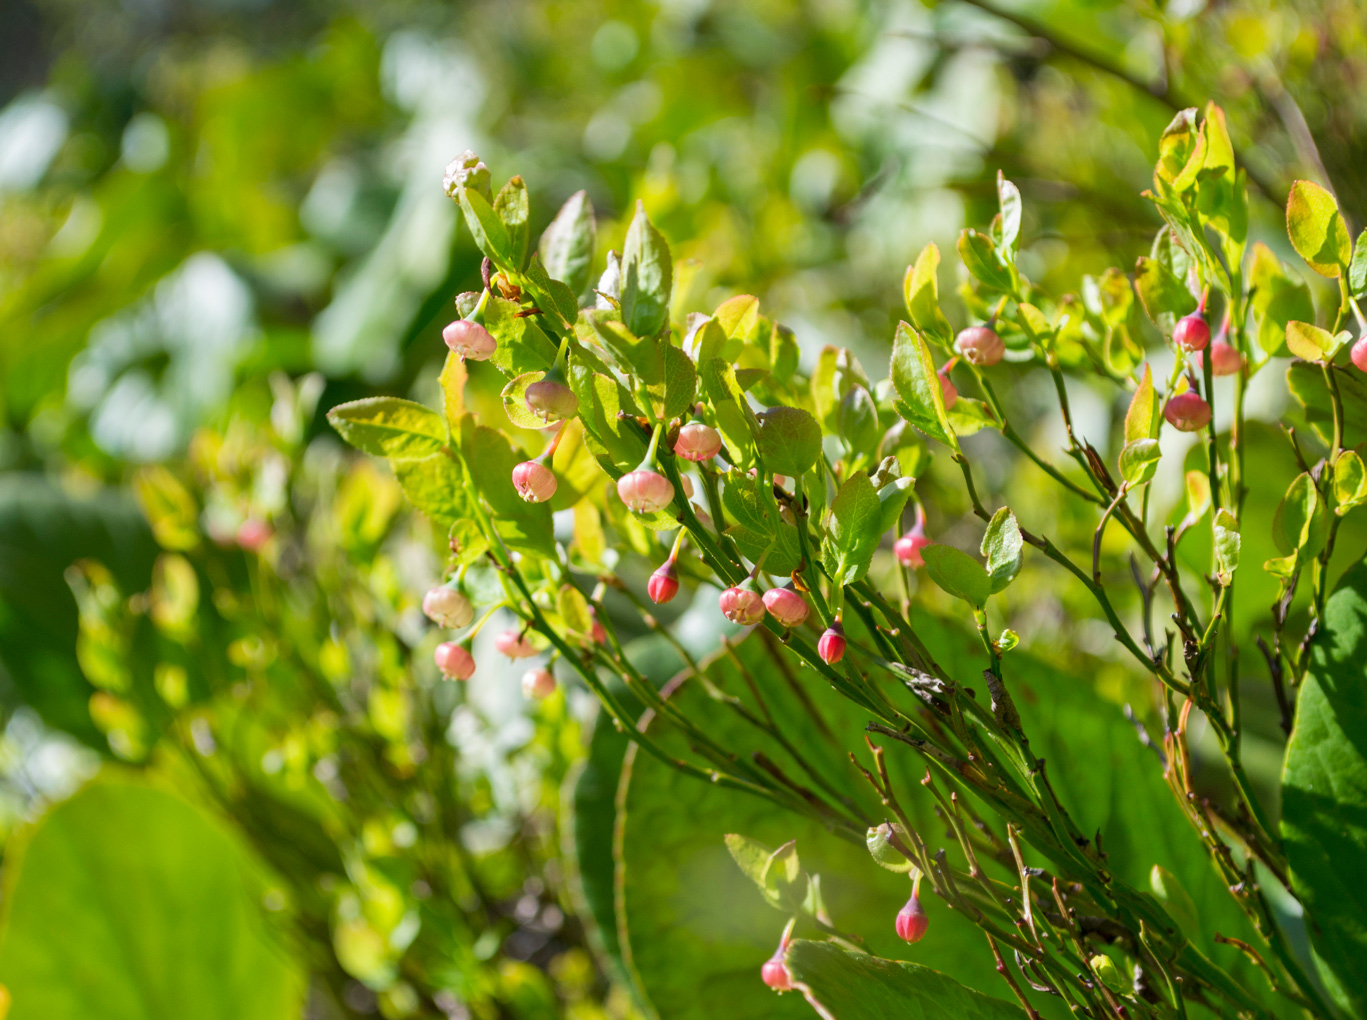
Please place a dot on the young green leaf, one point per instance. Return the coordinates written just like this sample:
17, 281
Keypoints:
1009, 199
514, 208
1160, 292
1311, 343
981, 258
893, 496
1141, 420
522, 345
514, 398
958, 573
389, 427
735, 420
1177, 145
1277, 298
857, 421
567, 244
1350, 482
1357, 269
922, 401
435, 484
852, 533
491, 236
921, 290
452, 379
1002, 546
738, 317
1299, 525
1317, 230
789, 440
1139, 461
647, 276
751, 856
1226, 547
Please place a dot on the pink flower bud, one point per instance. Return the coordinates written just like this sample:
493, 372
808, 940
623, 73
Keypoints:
1192, 332
980, 345
775, 974
947, 388
742, 606
512, 644
597, 633
664, 583
551, 401
697, 441
908, 547
1359, 353
786, 606
1224, 358
447, 607
469, 340
538, 683
455, 662
253, 533
1187, 412
912, 921
534, 481
831, 646
645, 491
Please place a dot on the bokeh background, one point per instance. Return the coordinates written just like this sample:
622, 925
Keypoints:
220, 218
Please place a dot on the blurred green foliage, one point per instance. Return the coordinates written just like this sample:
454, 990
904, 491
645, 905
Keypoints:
218, 217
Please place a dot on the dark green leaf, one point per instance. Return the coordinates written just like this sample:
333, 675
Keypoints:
491, 236
789, 440
389, 427
567, 245
647, 273
852, 532
922, 401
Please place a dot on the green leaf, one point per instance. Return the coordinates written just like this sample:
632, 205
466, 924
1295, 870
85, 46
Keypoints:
389, 427
738, 318
1226, 547
851, 532
602, 400
825, 395
1306, 383
1009, 199
1317, 230
1324, 793
642, 357
1277, 298
567, 244
434, 484
856, 421
922, 401
1311, 343
1350, 482
750, 855
1357, 269
514, 208
522, 345
1141, 420
558, 305
736, 422
1139, 461
980, 257
673, 396
969, 416
453, 377
646, 276
126, 902
490, 459
1161, 292
1300, 525
1177, 145
958, 573
893, 496
514, 397
789, 440
921, 289
1002, 545
491, 236
845, 985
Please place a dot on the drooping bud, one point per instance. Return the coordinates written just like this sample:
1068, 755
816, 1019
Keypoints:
831, 646
469, 340
1192, 332
645, 491
912, 920
1359, 353
447, 607
1187, 412
947, 388
908, 547
697, 442
512, 644
454, 661
742, 606
253, 533
786, 606
1224, 358
980, 345
551, 401
534, 481
538, 683
664, 583
775, 974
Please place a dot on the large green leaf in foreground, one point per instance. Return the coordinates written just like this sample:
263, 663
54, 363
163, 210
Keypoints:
1324, 793
126, 903
841, 985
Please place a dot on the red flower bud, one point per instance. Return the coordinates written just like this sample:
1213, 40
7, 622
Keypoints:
908, 547
512, 644
538, 683
742, 606
775, 974
1224, 358
664, 583
980, 345
697, 441
1192, 332
469, 339
912, 920
253, 533
455, 662
447, 607
947, 388
645, 491
1187, 412
1359, 352
597, 633
551, 401
831, 646
534, 481
786, 606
